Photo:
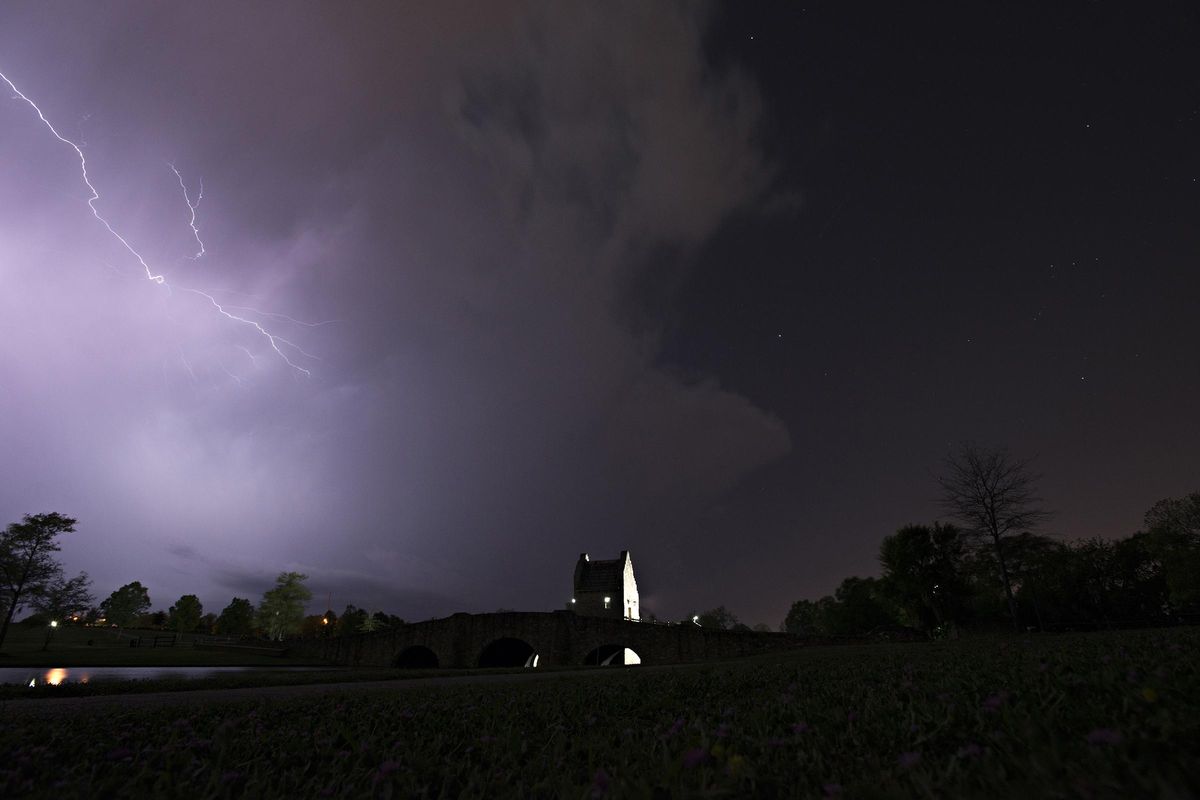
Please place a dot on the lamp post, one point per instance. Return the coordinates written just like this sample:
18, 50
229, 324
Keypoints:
49, 633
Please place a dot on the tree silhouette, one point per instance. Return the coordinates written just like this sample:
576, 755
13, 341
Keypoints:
125, 605
993, 495
185, 615
237, 618
27, 563
922, 570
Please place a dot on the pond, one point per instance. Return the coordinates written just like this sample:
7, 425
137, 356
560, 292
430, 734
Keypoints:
38, 676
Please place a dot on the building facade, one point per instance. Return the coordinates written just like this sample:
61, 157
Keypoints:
605, 588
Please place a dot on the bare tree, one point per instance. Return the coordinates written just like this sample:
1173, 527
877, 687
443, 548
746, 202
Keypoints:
993, 495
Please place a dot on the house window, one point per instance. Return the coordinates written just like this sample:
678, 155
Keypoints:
608, 602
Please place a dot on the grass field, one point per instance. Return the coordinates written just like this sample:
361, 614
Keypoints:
1088, 715
70, 648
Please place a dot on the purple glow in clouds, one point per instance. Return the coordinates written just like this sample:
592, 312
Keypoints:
274, 340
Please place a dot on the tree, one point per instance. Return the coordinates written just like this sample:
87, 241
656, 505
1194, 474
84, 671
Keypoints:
993, 496
125, 605
922, 572
386, 620
1177, 516
719, 617
352, 619
237, 618
27, 563
184, 616
1173, 528
805, 618
859, 607
63, 598
281, 611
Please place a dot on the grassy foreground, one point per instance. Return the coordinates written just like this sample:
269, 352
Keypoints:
1093, 715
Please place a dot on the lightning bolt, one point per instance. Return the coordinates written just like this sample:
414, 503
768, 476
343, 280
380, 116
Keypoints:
249, 355
274, 340
284, 317
192, 208
83, 169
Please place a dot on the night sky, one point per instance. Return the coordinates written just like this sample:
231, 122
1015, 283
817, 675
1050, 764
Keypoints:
718, 285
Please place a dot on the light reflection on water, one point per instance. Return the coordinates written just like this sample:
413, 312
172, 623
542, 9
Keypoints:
56, 676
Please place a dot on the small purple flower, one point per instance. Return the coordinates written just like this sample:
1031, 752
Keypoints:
832, 789
993, 702
1104, 736
120, 754
695, 757
970, 750
676, 727
230, 776
388, 767
909, 759
775, 741
722, 731
600, 782
801, 727
851, 716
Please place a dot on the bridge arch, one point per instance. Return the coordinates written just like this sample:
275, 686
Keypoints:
608, 655
509, 651
417, 657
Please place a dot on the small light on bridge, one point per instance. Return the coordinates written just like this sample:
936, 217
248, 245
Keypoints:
53, 623
696, 619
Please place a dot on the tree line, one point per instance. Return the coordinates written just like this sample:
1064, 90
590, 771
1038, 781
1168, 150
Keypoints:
991, 566
31, 577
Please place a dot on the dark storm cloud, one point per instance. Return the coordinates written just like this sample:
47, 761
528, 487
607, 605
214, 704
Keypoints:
479, 200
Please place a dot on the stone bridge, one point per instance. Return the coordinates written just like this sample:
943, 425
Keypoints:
533, 639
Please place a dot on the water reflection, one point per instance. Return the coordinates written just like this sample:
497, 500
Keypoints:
57, 676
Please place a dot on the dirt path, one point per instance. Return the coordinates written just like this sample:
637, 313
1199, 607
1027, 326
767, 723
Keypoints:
69, 706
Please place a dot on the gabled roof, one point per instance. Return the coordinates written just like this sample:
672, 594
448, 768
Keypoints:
600, 576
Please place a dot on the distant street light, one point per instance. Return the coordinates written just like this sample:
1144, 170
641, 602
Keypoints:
49, 633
